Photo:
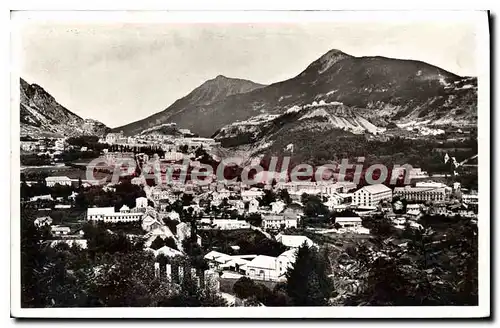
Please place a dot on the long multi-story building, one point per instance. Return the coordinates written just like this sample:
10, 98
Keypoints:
422, 194
61, 180
277, 221
371, 195
323, 187
125, 214
108, 215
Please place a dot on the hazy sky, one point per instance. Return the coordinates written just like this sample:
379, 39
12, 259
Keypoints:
119, 73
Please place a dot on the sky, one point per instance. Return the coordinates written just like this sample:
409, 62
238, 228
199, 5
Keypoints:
118, 73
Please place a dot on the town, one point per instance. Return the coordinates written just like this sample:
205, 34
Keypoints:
233, 244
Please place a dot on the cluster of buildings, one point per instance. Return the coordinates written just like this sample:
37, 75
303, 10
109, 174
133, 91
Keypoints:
245, 201
44, 145
168, 142
259, 267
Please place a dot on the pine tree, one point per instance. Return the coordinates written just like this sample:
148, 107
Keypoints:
307, 280
315, 296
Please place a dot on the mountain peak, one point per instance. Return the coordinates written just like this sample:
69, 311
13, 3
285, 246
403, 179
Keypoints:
334, 52
326, 61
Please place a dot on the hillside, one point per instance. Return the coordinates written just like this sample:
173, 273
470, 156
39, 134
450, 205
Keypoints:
41, 115
377, 89
191, 111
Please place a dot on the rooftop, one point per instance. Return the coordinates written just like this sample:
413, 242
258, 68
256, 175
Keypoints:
348, 219
376, 188
57, 178
100, 210
294, 240
263, 261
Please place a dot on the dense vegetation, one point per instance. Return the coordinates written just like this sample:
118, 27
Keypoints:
112, 271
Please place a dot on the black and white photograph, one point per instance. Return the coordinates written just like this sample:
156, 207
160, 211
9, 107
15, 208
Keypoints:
250, 164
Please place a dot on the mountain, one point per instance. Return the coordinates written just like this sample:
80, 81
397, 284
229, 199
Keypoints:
377, 89
41, 115
197, 107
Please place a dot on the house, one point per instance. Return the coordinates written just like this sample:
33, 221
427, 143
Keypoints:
252, 193
294, 210
270, 268
124, 209
349, 222
61, 180
216, 259
294, 241
163, 232
285, 261
141, 202
263, 267
334, 199
237, 205
372, 195
413, 209
253, 206
57, 230
43, 221
150, 222
165, 250
277, 207
173, 215
260, 267
351, 225
183, 231
278, 221
343, 186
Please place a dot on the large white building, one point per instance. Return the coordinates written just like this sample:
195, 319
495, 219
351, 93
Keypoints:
311, 187
259, 267
253, 193
372, 195
264, 267
108, 214
422, 193
227, 224
349, 222
278, 221
61, 180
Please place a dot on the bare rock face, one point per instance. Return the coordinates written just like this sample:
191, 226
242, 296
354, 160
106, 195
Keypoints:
41, 115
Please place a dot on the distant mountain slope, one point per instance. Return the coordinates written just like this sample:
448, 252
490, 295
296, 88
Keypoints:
189, 111
41, 115
378, 89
